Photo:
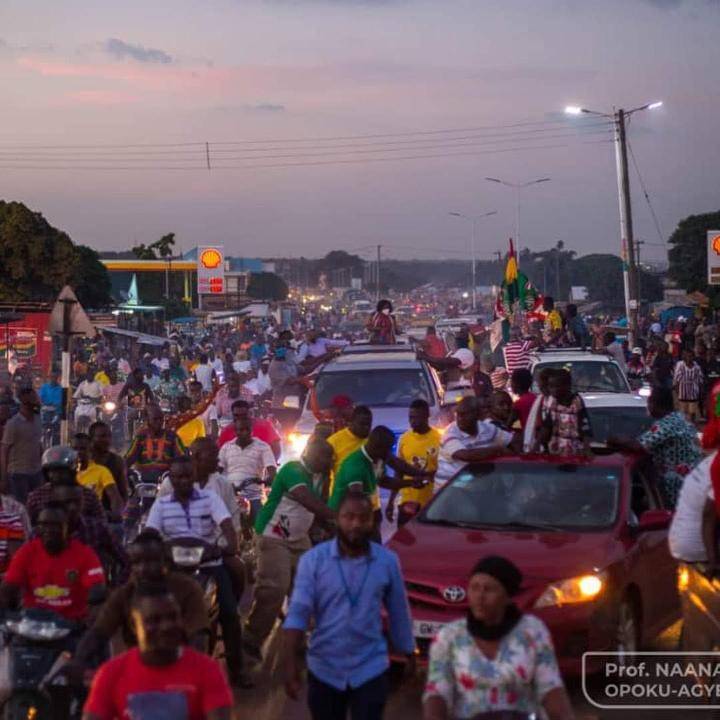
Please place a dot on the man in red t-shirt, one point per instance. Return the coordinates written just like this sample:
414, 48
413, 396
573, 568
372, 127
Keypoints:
53, 571
261, 429
161, 678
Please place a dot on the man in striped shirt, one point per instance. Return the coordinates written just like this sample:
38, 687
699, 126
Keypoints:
517, 352
192, 512
688, 383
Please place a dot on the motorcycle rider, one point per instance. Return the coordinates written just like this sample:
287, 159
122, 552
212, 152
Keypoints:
54, 571
138, 394
191, 512
88, 396
148, 567
100, 453
51, 397
154, 447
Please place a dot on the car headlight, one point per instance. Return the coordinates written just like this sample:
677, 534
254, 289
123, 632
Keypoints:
297, 442
109, 406
644, 392
583, 588
683, 578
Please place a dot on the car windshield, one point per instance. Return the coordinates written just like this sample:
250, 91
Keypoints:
376, 388
589, 376
543, 495
618, 421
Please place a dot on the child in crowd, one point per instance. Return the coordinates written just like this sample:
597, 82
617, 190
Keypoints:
565, 426
520, 383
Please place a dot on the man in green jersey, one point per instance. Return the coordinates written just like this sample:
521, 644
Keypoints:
282, 527
364, 470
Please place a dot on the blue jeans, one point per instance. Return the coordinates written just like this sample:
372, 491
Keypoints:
365, 702
22, 484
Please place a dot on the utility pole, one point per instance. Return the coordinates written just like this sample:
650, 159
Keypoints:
626, 229
557, 273
377, 275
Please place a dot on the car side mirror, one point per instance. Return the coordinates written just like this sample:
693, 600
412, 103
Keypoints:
291, 402
452, 397
654, 520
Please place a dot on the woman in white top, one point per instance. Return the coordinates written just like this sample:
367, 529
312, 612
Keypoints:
495, 660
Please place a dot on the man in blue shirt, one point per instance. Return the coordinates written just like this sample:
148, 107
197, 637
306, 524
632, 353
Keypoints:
51, 400
340, 588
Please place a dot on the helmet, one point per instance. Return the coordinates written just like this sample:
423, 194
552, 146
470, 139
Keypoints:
59, 457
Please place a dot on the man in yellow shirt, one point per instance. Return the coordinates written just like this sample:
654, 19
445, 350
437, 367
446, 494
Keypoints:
193, 429
96, 477
419, 446
346, 441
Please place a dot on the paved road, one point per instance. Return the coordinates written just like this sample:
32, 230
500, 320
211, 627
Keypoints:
267, 701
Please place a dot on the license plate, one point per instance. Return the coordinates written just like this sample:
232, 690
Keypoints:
426, 629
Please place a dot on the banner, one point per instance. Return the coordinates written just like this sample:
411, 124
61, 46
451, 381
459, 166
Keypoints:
23, 342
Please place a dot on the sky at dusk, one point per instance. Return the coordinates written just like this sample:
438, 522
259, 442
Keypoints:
113, 98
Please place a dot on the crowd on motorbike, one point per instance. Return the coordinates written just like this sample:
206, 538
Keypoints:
126, 553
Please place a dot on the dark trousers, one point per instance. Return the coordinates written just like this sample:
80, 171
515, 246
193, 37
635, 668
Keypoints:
229, 620
22, 484
365, 702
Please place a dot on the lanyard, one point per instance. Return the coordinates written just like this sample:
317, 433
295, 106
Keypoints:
353, 599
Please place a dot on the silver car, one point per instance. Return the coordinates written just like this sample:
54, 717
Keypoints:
385, 378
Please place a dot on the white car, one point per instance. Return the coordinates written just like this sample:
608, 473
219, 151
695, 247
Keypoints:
614, 409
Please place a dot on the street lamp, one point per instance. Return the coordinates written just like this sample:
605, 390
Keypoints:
473, 219
630, 276
518, 187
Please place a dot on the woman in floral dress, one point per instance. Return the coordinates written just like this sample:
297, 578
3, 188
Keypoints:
497, 659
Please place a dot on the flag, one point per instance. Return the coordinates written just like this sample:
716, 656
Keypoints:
517, 293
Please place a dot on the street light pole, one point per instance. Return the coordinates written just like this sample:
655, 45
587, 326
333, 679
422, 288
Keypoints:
518, 187
630, 271
473, 259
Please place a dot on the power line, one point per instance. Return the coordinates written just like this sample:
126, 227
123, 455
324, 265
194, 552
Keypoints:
37, 165
204, 157
645, 192
201, 144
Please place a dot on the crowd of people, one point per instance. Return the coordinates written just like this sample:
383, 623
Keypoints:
195, 421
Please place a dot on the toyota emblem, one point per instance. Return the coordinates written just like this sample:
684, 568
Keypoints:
454, 594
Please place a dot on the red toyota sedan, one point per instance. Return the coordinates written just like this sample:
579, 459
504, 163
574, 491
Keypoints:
590, 537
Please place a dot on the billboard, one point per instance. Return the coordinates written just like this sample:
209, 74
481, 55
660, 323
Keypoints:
713, 257
211, 270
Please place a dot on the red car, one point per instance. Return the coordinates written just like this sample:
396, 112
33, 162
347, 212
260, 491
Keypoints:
590, 537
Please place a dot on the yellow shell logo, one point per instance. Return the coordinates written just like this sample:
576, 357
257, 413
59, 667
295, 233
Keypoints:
210, 258
716, 245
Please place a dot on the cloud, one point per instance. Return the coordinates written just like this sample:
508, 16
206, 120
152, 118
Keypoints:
267, 107
665, 4
121, 50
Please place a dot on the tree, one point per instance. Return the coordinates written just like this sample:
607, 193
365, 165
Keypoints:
91, 279
162, 248
267, 286
38, 259
688, 254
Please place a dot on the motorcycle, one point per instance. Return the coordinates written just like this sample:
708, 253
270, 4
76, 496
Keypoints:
37, 643
86, 413
248, 554
188, 555
111, 414
50, 418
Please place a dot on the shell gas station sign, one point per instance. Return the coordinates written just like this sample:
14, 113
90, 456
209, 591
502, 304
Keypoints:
713, 257
211, 270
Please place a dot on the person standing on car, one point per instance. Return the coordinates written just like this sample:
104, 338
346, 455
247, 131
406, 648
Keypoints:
163, 676
341, 588
688, 382
497, 659
281, 529
201, 514
21, 448
382, 325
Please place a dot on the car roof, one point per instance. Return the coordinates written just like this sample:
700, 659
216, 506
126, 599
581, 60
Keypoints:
569, 355
599, 459
365, 348
374, 361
